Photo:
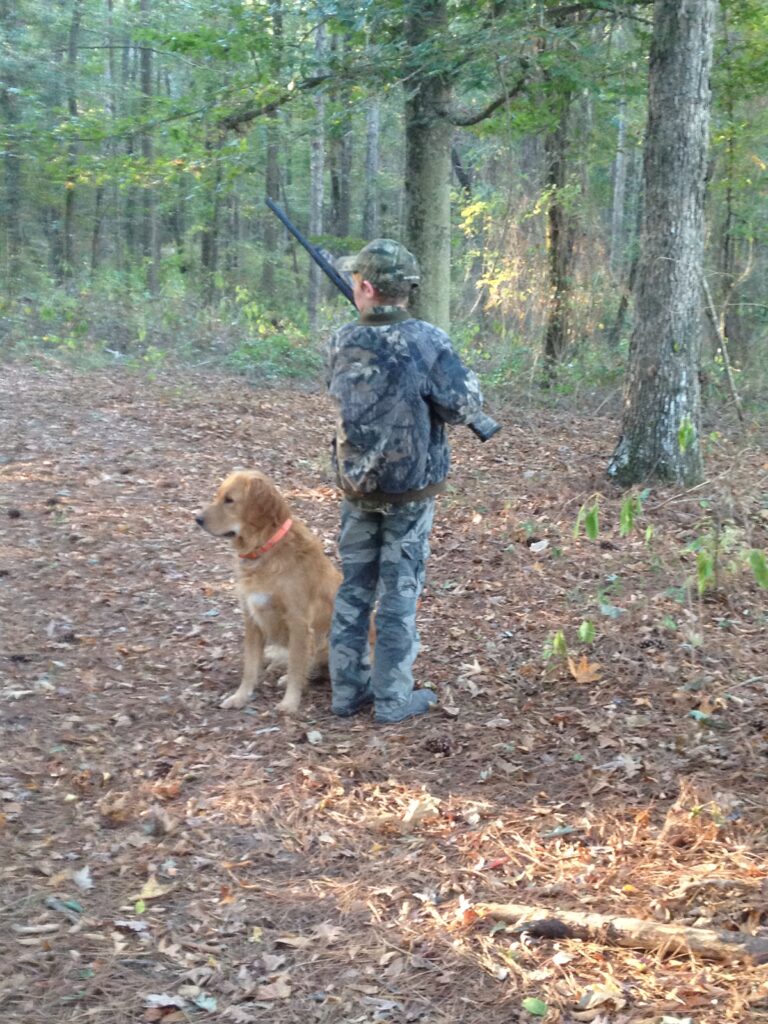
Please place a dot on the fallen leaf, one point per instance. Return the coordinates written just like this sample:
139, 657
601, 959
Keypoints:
278, 989
584, 671
294, 941
328, 932
239, 1015
162, 1000
536, 1007
82, 879
152, 890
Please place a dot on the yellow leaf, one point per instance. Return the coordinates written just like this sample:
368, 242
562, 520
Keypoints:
152, 890
585, 671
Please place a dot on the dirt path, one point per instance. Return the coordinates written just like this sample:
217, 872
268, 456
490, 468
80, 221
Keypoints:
165, 860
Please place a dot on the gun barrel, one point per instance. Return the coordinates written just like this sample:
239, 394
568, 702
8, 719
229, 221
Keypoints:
328, 269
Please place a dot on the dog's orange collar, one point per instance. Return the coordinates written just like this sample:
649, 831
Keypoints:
272, 541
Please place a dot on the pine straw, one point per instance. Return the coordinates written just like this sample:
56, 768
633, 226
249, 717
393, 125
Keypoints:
323, 870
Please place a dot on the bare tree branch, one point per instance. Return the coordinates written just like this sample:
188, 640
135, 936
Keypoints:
475, 117
239, 117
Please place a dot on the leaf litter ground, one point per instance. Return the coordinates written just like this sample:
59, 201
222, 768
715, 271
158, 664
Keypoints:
164, 860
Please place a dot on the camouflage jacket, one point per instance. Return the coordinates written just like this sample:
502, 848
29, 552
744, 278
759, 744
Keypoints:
396, 382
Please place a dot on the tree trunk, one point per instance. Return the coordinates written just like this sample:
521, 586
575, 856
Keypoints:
370, 228
341, 168
340, 156
317, 186
149, 236
68, 268
560, 241
12, 163
428, 134
619, 194
660, 429
271, 233
209, 236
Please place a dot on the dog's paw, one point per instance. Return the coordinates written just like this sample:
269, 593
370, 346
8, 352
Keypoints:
288, 705
234, 700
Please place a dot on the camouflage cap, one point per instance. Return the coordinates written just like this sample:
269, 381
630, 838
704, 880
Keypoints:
387, 264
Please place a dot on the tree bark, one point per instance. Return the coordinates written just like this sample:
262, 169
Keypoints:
370, 227
560, 241
660, 429
68, 268
209, 236
428, 133
271, 233
12, 161
149, 235
632, 932
619, 194
317, 186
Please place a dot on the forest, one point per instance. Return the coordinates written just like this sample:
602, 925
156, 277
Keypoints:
577, 831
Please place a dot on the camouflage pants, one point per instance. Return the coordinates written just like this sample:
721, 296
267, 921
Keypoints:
384, 549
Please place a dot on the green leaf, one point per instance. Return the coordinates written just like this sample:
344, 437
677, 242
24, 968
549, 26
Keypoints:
705, 571
536, 1007
627, 516
139, 906
759, 567
592, 522
587, 632
559, 645
579, 521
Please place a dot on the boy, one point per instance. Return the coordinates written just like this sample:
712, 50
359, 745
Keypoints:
396, 382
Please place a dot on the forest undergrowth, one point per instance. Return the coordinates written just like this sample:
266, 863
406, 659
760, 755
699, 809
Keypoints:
600, 745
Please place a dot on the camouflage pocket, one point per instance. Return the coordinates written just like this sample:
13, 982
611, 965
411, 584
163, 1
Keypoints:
413, 565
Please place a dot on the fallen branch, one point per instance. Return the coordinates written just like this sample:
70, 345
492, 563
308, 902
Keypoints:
542, 922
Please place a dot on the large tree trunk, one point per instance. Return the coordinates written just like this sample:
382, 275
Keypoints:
428, 164
660, 430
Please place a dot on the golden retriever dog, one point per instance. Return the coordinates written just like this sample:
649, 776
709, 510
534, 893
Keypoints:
285, 583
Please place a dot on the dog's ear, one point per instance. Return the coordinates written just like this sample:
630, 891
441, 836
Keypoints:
264, 505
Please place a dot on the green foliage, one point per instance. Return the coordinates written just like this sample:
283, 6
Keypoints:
759, 567
587, 632
589, 518
555, 647
722, 552
631, 510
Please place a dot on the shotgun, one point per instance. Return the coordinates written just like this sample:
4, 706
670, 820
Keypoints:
482, 426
